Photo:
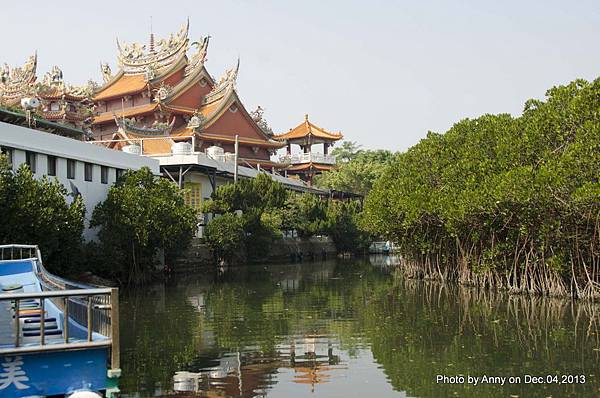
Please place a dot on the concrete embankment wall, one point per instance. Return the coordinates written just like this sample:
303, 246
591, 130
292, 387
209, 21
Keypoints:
199, 255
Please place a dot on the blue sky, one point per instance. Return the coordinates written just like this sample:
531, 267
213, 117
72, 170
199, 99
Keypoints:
382, 72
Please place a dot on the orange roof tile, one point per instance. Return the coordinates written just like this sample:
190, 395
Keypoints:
133, 111
209, 109
305, 129
263, 162
242, 140
311, 165
126, 84
58, 93
181, 109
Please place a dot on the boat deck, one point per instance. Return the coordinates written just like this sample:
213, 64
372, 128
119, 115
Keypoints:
56, 335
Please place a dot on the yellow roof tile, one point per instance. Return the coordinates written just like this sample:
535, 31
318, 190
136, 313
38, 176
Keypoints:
126, 84
305, 129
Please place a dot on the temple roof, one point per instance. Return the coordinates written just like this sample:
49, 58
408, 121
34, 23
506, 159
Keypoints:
310, 166
53, 87
18, 82
128, 112
241, 140
308, 129
123, 85
136, 58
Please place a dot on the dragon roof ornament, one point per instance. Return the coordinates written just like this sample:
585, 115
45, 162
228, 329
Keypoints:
199, 57
53, 85
135, 57
131, 126
18, 82
227, 82
196, 121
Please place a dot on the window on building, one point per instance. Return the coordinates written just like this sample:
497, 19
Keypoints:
88, 172
8, 152
30, 158
193, 194
70, 169
104, 174
51, 165
119, 173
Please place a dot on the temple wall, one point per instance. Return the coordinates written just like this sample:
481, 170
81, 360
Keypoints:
175, 78
20, 140
233, 123
192, 98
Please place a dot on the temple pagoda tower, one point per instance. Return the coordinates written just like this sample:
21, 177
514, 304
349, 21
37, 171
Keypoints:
307, 163
159, 92
58, 101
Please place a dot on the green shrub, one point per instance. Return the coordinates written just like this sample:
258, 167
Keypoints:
226, 237
141, 215
35, 211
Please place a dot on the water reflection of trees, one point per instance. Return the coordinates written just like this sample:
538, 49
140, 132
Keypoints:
431, 329
415, 330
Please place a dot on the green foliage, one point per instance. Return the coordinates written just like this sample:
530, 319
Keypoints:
142, 214
248, 195
257, 199
357, 170
342, 227
267, 209
306, 214
34, 211
226, 236
346, 152
512, 195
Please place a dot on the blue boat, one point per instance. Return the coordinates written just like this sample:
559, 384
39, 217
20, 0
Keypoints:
57, 337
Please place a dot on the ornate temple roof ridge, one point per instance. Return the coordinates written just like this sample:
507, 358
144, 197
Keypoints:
137, 58
18, 82
224, 85
53, 86
156, 130
197, 59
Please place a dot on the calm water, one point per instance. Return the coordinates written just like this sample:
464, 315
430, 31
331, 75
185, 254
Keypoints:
350, 329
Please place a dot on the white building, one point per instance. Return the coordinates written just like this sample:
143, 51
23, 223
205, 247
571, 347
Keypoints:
82, 168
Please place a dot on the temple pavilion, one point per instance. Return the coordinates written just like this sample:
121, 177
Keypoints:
162, 95
56, 101
307, 163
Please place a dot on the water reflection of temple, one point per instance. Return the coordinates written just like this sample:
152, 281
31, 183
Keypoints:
249, 374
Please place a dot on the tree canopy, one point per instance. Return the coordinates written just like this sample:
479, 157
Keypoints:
504, 201
142, 214
35, 211
357, 169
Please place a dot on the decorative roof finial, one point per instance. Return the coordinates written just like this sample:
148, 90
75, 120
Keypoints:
306, 117
151, 36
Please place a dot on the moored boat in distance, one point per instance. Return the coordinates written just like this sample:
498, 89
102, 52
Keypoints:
57, 337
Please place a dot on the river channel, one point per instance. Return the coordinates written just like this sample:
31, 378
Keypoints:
351, 328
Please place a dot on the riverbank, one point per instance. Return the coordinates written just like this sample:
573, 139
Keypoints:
199, 255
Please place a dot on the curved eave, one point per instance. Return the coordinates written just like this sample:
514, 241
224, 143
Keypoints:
135, 111
310, 166
305, 130
262, 162
109, 83
165, 73
59, 115
241, 140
